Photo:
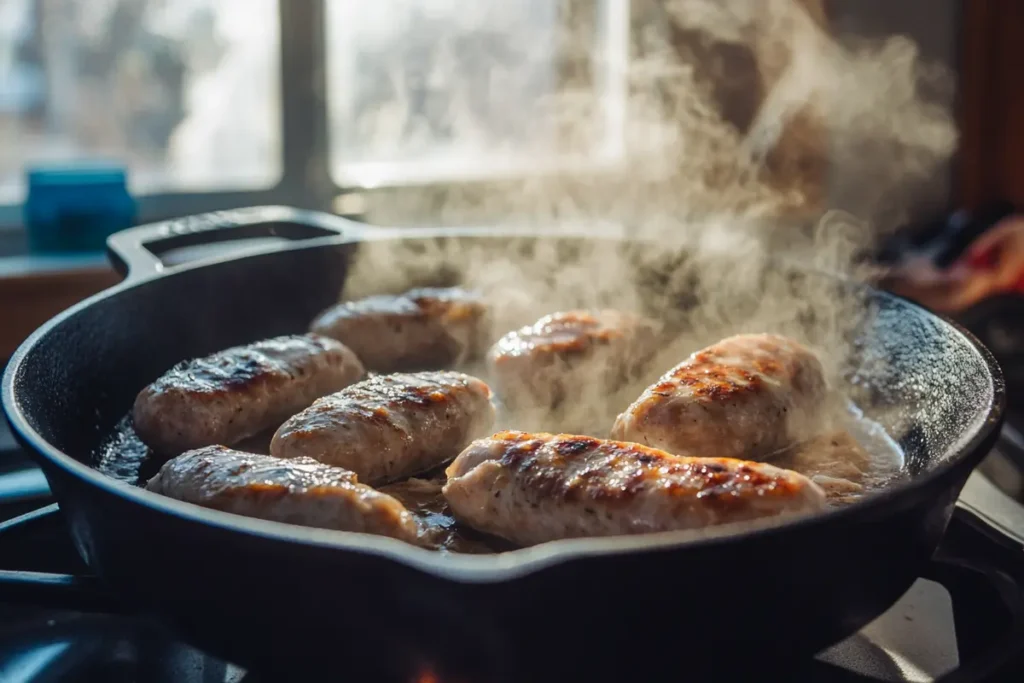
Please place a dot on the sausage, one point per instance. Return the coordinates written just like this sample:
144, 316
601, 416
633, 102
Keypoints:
390, 426
747, 396
423, 329
300, 491
566, 370
533, 488
234, 394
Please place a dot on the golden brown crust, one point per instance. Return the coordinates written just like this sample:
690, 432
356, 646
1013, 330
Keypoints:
532, 488
718, 481
745, 397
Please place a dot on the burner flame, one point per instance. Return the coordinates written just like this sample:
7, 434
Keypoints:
426, 675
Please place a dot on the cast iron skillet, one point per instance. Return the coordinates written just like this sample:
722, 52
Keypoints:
287, 599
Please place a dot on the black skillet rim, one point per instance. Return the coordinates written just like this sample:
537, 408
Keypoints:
478, 568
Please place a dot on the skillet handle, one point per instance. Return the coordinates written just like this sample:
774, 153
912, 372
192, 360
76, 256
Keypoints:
28, 534
136, 252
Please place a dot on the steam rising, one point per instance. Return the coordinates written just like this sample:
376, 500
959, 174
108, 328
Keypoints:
714, 199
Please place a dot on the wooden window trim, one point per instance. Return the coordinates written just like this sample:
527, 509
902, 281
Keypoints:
991, 111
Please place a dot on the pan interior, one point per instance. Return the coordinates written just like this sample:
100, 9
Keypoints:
917, 376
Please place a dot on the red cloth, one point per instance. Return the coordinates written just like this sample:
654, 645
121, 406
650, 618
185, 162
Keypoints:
987, 259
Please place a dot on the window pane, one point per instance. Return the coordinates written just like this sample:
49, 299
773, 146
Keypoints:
451, 89
185, 92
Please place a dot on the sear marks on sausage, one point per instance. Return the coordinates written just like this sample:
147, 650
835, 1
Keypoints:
532, 488
423, 329
300, 491
571, 359
390, 426
236, 393
745, 397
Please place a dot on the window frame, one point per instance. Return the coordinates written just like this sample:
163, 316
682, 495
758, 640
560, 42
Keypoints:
306, 178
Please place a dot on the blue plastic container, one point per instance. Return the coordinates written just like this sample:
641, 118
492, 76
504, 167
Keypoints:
74, 209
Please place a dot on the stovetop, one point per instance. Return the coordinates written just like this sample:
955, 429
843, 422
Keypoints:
914, 641
962, 621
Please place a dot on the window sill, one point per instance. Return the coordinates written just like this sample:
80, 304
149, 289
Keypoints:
35, 265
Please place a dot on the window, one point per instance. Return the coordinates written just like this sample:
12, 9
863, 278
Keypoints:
186, 93
440, 90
